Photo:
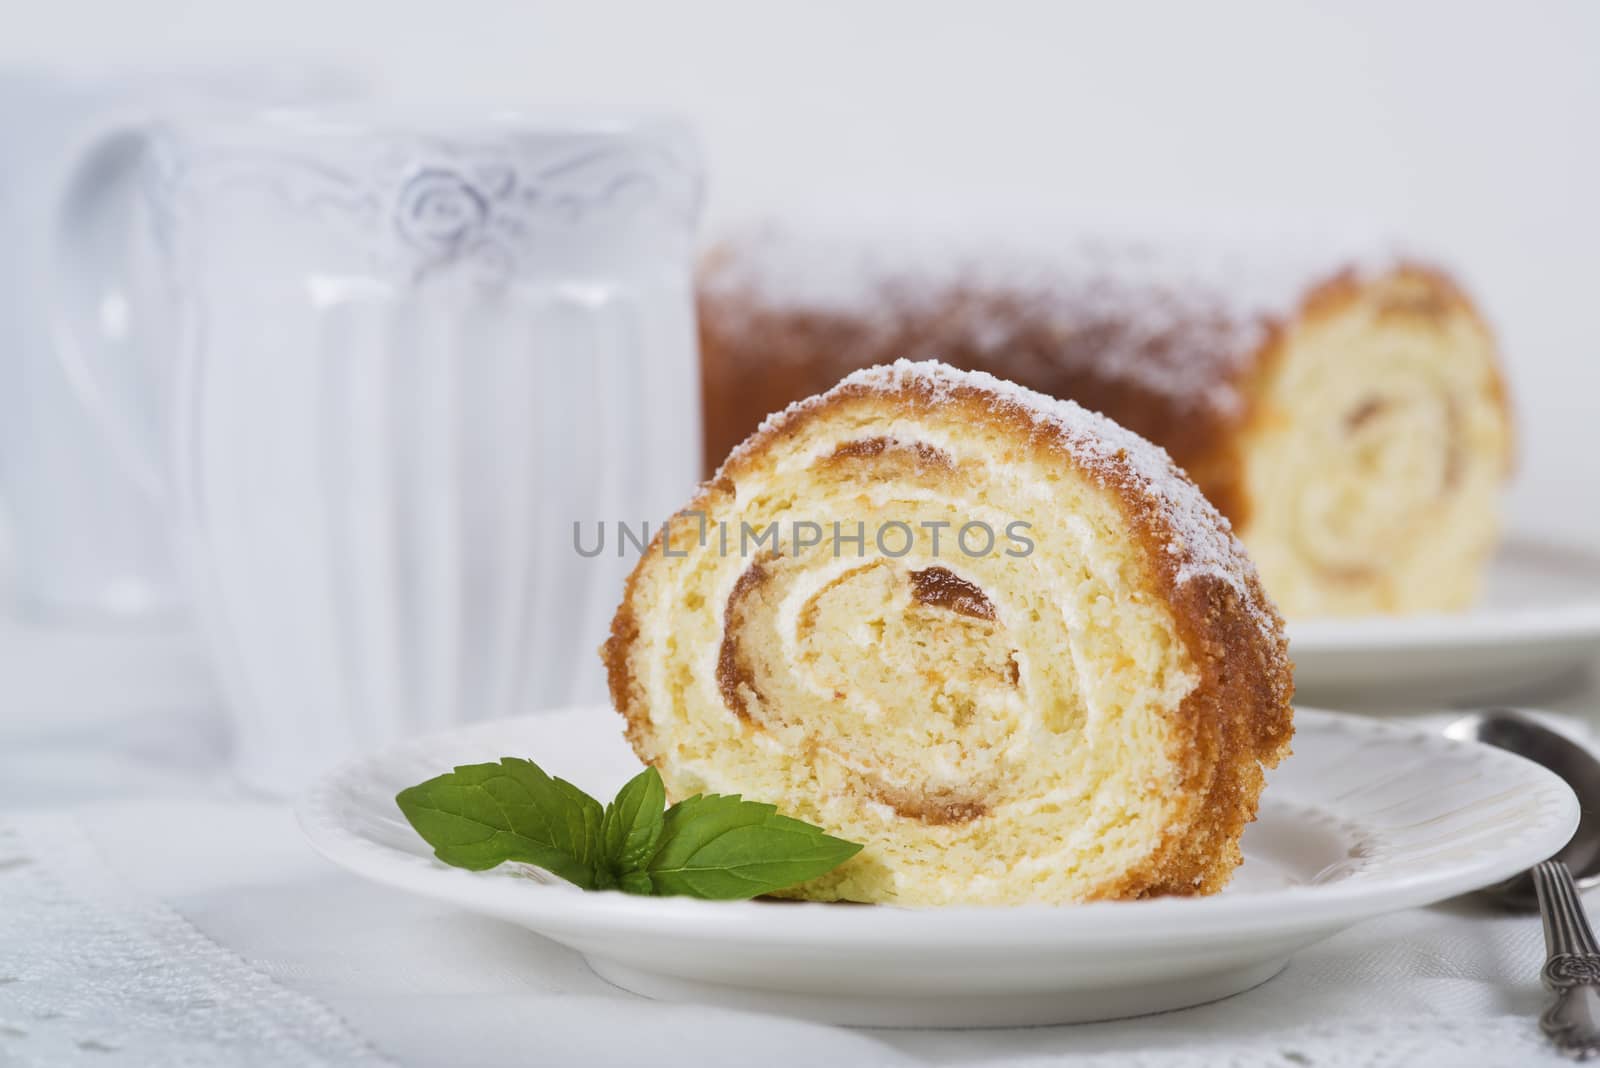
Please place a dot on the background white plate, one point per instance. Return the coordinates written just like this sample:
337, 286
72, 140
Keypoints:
1539, 620
1366, 817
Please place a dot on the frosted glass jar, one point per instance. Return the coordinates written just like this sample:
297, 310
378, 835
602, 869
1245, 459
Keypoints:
411, 359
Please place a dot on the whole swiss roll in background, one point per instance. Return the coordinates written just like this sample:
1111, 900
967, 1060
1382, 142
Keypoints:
1344, 410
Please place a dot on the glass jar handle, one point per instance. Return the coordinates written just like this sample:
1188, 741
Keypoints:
110, 330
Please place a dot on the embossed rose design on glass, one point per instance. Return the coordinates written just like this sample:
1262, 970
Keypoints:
411, 360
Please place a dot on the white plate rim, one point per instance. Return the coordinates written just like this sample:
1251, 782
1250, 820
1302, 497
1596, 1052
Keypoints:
1570, 622
1171, 920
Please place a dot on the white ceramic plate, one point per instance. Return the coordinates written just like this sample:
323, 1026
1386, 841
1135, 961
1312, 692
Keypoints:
1367, 817
1539, 619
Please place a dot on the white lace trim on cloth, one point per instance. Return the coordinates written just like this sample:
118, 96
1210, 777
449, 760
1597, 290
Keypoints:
92, 973
1400, 1042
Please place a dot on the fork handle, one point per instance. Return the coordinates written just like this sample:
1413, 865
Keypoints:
1572, 964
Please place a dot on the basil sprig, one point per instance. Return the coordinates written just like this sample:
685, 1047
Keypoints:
715, 846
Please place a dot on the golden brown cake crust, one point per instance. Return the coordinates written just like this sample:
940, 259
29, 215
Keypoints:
1153, 354
1235, 720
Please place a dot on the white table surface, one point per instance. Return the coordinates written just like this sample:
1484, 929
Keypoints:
119, 827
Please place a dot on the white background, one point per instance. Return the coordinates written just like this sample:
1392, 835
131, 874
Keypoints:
1470, 130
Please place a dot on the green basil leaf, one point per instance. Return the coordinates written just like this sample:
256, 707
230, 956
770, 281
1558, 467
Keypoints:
635, 882
720, 846
481, 815
633, 822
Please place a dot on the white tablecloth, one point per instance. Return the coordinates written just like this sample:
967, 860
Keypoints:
149, 915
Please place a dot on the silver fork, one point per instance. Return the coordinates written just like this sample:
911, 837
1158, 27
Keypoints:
1572, 964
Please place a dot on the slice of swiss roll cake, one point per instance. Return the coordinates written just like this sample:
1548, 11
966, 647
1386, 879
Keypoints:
997, 639
1345, 409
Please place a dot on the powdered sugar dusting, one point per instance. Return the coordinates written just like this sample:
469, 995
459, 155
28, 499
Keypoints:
1201, 539
1180, 318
